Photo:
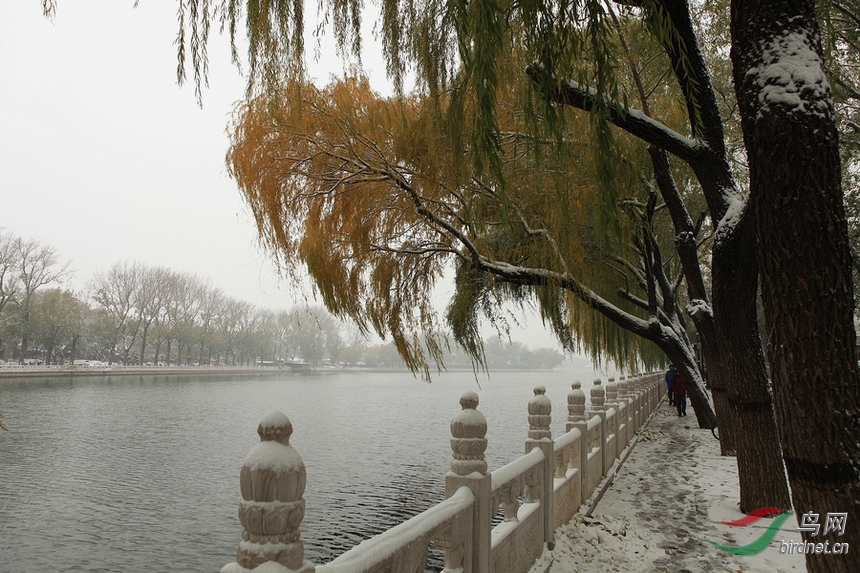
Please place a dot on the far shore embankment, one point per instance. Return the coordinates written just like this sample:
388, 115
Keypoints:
15, 372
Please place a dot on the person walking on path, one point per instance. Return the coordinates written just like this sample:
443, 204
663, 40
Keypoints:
670, 376
680, 392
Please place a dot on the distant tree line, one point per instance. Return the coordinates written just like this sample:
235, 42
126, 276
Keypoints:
133, 313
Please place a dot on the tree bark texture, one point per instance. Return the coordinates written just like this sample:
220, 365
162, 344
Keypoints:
805, 263
730, 338
741, 370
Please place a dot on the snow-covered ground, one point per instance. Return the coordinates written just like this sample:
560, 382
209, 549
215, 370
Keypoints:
671, 495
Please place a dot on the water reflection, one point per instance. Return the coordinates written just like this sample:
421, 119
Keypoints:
141, 474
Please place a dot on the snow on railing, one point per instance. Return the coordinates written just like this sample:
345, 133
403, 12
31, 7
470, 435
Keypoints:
404, 547
537, 492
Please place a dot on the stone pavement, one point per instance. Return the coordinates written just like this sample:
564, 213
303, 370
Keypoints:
669, 497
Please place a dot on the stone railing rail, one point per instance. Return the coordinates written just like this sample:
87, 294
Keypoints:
537, 492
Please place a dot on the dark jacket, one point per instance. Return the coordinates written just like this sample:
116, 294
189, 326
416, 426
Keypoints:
678, 386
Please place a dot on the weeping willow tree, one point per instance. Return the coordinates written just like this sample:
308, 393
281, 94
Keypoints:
370, 195
463, 52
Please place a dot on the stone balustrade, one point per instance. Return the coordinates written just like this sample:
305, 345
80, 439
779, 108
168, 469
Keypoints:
533, 495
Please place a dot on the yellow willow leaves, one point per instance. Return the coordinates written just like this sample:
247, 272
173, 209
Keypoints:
371, 197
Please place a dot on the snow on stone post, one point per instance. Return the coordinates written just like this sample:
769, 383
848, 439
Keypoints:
598, 408
622, 388
623, 396
575, 406
576, 419
656, 390
612, 423
635, 402
649, 396
598, 400
540, 436
273, 482
540, 416
644, 384
469, 468
611, 394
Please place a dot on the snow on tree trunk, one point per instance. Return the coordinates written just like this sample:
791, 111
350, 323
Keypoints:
805, 264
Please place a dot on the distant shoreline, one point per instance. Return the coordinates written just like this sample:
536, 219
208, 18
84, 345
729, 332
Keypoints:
15, 372
19, 372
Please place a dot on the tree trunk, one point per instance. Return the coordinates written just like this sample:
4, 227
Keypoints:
74, 350
796, 198
742, 375
24, 344
730, 340
142, 358
24, 339
731, 344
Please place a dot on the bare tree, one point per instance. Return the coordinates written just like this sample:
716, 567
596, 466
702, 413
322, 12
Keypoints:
114, 291
10, 281
38, 265
150, 300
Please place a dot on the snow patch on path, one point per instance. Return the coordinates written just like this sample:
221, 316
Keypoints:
669, 498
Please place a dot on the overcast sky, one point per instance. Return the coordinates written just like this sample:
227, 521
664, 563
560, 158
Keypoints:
104, 157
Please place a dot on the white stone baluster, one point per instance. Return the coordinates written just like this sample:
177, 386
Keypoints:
540, 416
540, 436
598, 400
598, 408
576, 419
575, 406
611, 394
612, 422
629, 421
272, 482
469, 468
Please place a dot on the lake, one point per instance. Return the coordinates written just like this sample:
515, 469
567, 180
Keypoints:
141, 473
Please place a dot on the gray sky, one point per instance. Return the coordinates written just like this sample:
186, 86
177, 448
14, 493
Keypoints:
104, 157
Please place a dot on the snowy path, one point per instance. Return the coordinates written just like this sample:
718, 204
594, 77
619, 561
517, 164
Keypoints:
671, 495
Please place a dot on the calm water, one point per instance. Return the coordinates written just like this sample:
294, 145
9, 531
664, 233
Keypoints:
141, 474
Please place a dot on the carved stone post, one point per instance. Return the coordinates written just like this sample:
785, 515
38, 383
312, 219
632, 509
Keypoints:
612, 424
598, 408
635, 394
540, 416
611, 394
575, 406
641, 384
469, 468
620, 405
623, 395
598, 400
540, 436
576, 419
273, 482
622, 387
658, 383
